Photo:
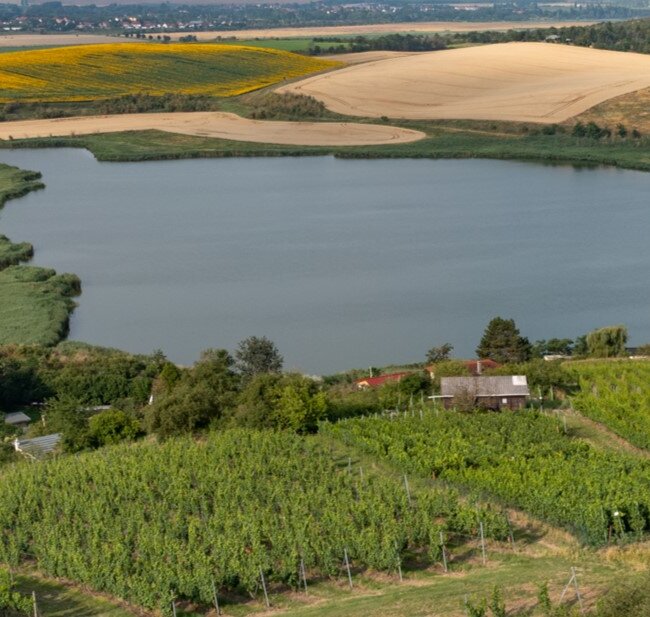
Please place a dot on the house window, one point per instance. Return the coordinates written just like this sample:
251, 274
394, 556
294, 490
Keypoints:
504, 401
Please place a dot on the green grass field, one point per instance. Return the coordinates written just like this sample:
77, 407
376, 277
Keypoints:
35, 305
301, 45
445, 140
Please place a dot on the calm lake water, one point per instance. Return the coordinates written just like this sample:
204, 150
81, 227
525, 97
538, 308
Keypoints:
341, 263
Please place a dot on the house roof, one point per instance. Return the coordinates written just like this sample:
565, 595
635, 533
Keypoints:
17, 418
507, 385
476, 366
472, 365
38, 447
375, 382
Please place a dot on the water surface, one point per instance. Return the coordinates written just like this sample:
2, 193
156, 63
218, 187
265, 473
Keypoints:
341, 263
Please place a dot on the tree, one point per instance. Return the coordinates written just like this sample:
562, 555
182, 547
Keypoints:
439, 354
502, 342
66, 415
290, 402
201, 396
257, 355
607, 342
112, 426
560, 346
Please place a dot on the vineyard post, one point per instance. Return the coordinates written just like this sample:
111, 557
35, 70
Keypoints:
303, 573
444, 552
575, 584
408, 492
174, 607
420, 413
399, 564
482, 542
347, 566
266, 595
511, 535
349, 464
215, 597
34, 604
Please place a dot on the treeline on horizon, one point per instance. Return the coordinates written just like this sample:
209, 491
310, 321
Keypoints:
47, 16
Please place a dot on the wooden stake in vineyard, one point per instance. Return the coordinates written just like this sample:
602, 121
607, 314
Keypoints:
303, 573
347, 566
574, 580
215, 597
482, 543
266, 595
444, 552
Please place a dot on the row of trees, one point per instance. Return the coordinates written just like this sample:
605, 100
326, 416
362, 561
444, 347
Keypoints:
502, 342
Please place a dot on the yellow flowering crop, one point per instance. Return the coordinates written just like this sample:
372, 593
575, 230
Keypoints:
88, 72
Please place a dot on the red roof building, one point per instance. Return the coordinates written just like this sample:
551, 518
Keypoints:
376, 382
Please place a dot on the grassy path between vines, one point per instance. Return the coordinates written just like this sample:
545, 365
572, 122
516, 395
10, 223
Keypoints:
56, 600
599, 435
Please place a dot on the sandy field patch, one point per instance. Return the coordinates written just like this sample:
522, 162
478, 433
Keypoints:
423, 26
34, 40
368, 56
216, 124
526, 82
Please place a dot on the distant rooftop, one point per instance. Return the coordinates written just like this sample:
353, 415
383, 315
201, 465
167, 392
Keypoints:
17, 418
507, 385
38, 447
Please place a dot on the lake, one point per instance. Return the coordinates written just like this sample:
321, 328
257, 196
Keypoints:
341, 263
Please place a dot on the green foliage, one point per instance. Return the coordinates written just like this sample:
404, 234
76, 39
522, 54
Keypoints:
476, 610
200, 397
290, 402
497, 604
502, 342
629, 597
440, 353
142, 103
544, 600
12, 254
111, 427
142, 520
170, 375
35, 305
607, 342
616, 394
287, 106
257, 355
540, 374
65, 415
12, 602
560, 346
524, 459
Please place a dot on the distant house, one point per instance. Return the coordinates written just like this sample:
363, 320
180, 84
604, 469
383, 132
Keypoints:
18, 419
38, 447
376, 382
491, 392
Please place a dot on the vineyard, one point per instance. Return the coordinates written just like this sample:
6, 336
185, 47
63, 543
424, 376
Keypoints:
523, 459
153, 522
90, 72
618, 395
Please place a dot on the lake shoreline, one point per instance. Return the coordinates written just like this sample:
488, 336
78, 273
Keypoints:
442, 141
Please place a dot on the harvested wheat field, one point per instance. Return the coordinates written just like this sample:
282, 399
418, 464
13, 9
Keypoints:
631, 110
390, 28
216, 124
528, 82
90, 72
